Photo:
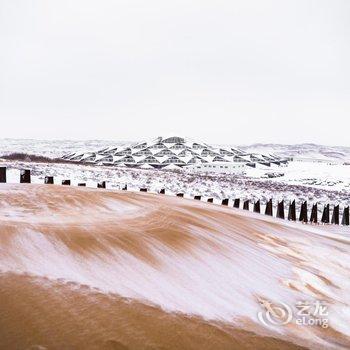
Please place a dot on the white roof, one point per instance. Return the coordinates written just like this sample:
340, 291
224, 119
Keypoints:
162, 159
177, 151
139, 158
101, 156
247, 158
116, 158
186, 159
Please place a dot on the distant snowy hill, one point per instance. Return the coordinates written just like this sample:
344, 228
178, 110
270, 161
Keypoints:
305, 150
57, 148
52, 148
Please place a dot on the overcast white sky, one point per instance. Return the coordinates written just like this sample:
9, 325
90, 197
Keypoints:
223, 71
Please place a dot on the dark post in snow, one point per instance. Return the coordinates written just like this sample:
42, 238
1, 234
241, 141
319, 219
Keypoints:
325, 214
162, 191
256, 207
345, 219
101, 184
268, 209
313, 217
303, 212
25, 177
224, 201
236, 203
3, 174
143, 189
179, 195
246, 205
82, 184
210, 200
292, 214
198, 198
49, 180
125, 188
280, 210
335, 215
66, 182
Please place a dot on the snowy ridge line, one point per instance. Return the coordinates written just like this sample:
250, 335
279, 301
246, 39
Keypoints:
258, 207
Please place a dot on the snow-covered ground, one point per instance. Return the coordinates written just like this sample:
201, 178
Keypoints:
305, 150
315, 183
319, 175
312, 181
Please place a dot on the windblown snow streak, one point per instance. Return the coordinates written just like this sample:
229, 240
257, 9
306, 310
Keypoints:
128, 270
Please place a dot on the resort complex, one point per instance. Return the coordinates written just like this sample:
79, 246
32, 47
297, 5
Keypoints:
176, 153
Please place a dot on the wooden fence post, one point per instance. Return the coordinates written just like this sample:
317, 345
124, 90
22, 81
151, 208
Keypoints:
101, 184
325, 214
268, 209
246, 205
25, 176
335, 215
224, 201
313, 217
3, 174
345, 219
49, 180
280, 210
256, 207
303, 212
292, 214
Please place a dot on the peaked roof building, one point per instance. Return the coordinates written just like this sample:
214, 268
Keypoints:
170, 153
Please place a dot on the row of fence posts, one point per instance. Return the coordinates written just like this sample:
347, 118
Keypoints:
25, 177
292, 212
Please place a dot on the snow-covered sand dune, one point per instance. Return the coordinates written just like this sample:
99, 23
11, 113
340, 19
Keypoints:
110, 269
